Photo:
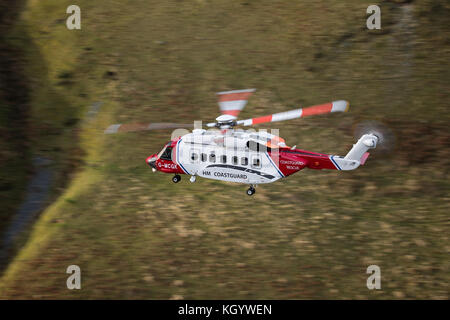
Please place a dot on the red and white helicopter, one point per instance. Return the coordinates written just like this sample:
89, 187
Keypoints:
245, 156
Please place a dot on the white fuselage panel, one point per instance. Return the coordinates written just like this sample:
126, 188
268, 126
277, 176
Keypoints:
232, 162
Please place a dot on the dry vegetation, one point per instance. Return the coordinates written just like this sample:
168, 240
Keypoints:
137, 235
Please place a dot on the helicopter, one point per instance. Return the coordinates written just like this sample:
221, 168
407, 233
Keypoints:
245, 156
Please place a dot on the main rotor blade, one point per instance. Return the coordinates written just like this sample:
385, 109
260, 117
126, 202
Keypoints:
335, 106
132, 127
232, 102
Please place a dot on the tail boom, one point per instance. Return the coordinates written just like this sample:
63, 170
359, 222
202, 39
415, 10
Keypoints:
355, 157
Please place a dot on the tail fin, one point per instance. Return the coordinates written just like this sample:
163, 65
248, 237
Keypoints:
357, 155
358, 152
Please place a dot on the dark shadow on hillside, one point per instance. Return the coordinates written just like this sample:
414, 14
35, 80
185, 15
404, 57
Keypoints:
29, 181
15, 158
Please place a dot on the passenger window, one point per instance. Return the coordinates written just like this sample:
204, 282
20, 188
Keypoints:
255, 146
223, 159
204, 157
244, 161
194, 156
256, 163
212, 158
235, 160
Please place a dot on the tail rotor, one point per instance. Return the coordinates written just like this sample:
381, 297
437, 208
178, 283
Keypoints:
386, 139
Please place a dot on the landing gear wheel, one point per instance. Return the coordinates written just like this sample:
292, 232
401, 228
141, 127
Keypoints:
176, 178
251, 191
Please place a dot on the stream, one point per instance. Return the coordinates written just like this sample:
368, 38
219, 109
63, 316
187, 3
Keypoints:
36, 196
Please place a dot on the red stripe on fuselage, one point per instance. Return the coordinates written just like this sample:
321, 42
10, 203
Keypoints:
288, 163
174, 155
170, 166
312, 160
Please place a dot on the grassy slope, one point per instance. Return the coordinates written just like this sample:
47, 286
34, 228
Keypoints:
133, 233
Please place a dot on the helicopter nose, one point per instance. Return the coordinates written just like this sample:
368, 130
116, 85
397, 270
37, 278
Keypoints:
151, 161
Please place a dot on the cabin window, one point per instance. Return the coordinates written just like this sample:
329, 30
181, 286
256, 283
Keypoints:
194, 156
235, 160
255, 146
223, 159
244, 161
212, 158
256, 162
204, 157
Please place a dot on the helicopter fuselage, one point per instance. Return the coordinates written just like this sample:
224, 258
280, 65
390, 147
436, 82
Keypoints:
240, 156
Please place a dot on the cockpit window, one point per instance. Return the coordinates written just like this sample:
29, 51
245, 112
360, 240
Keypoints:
163, 150
167, 154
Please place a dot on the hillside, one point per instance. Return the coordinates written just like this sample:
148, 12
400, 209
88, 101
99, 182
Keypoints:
135, 234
